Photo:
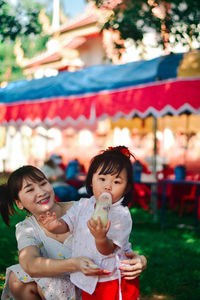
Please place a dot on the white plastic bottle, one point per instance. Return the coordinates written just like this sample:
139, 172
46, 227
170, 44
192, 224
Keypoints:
102, 208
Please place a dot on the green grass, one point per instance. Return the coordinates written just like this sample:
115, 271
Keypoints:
8, 246
173, 254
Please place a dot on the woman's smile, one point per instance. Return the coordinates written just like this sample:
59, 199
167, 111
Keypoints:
44, 201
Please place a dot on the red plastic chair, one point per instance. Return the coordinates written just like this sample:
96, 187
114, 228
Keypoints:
189, 200
141, 195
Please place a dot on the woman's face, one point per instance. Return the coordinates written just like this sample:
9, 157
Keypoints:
114, 184
36, 197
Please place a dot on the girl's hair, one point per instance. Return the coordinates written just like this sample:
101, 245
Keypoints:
112, 161
9, 192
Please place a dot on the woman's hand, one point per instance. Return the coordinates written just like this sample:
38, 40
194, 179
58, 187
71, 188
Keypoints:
133, 266
88, 268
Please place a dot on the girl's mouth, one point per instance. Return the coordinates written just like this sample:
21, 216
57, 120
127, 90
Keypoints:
44, 201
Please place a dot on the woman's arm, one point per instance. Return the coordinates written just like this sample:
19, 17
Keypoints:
133, 266
37, 266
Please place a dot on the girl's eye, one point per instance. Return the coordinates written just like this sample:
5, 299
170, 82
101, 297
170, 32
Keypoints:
101, 178
29, 190
117, 182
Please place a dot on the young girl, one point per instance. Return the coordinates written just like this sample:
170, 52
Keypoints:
110, 171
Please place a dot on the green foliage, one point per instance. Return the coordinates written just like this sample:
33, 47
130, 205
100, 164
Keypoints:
34, 45
9, 69
134, 18
21, 21
9, 27
8, 245
18, 21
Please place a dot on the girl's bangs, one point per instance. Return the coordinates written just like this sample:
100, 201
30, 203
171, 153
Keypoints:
110, 167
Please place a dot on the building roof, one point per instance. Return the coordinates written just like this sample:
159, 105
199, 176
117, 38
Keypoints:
66, 43
88, 20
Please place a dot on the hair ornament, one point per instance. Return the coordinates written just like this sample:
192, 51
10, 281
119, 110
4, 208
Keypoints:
125, 151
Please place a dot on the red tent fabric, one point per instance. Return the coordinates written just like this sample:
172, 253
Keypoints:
81, 98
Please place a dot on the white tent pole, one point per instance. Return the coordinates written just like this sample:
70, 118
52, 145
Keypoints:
155, 146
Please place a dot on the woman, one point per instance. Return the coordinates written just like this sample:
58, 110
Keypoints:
44, 257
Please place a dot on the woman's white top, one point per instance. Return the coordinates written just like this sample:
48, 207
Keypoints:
59, 287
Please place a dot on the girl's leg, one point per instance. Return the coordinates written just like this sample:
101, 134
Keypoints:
23, 291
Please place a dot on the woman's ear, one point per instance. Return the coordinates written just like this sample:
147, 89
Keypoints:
19, 204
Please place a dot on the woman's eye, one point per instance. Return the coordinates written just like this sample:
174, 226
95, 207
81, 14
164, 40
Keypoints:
44, 182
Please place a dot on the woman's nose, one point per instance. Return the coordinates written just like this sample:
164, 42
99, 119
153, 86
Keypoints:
40, 190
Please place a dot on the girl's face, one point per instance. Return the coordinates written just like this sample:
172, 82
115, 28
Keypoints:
114, 184
36, 197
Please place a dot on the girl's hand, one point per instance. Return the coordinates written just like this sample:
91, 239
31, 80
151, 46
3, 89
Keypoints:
134, 266
97, 229
88, 268
49, 221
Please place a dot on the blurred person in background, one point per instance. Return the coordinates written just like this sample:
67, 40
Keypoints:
55, 173
75, 173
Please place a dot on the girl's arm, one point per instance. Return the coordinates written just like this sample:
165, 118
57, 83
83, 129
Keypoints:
50, 222
103, 244
37, 266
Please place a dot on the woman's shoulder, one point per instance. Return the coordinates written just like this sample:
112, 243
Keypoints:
28, 221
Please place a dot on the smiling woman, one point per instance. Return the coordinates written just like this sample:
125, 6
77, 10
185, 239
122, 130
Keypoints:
41, 253
45, 258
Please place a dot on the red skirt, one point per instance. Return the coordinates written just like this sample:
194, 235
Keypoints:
109, 290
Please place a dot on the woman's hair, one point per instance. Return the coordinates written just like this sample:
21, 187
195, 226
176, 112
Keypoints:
9, 192
112, 161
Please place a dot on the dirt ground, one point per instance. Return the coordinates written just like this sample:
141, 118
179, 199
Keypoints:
156, 297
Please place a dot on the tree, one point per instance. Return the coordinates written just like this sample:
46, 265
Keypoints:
18, 21
173, 21
9, 69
